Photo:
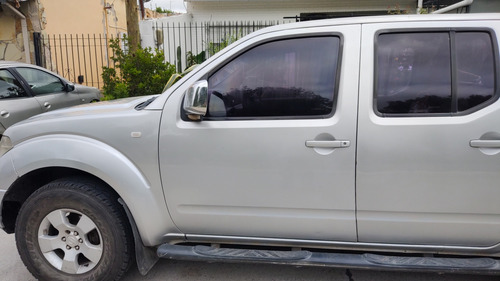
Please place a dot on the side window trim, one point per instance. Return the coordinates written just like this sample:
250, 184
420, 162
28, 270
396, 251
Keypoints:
452, 32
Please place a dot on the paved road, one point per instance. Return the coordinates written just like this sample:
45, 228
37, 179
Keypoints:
12, 269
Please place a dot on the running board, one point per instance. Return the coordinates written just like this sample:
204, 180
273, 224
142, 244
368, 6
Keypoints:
487, 266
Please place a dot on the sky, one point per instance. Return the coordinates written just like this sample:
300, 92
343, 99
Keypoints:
174, 5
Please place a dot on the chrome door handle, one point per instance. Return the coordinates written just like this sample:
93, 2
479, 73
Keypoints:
485, 143
47, 105
328, 144
4, 113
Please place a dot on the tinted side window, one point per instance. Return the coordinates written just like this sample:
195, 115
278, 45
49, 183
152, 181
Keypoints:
414, 73
41, 82
287, 78
434, 72
9, 86
475, 69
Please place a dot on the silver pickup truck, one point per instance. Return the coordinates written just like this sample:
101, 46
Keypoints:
359, 142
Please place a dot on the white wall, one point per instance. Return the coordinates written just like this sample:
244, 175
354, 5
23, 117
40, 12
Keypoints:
261, 10
147, 28
485, 6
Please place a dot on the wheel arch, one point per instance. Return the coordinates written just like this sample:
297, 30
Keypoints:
67, 155
29, 183
24, 186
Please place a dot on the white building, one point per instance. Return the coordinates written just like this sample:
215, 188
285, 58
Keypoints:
206, 23
261, 10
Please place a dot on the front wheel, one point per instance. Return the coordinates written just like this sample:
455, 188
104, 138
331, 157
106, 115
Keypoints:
74, 229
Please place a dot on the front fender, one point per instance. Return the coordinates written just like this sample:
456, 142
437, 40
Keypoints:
143, 196
7, 176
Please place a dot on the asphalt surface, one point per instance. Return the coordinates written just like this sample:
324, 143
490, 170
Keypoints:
12, 269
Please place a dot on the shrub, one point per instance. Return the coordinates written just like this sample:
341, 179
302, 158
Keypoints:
135, 74
213, 48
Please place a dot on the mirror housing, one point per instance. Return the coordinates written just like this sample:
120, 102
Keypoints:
69, 87
196, 100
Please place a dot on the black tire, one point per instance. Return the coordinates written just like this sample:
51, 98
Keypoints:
73, 229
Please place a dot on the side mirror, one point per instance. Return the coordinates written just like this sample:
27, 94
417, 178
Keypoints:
196, 99
69, 87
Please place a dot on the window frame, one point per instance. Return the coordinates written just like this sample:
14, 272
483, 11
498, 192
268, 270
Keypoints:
453, 65
336, 85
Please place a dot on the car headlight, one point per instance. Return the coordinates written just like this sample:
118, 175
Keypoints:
5, 145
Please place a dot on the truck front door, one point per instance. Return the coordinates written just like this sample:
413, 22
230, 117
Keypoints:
275, 155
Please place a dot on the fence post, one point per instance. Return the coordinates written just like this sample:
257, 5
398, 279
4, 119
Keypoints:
38, 48
73, 56
96, 62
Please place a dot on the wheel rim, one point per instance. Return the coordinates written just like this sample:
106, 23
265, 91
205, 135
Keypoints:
70, 241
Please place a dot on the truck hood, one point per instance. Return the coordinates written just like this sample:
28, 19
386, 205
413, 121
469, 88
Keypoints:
91, 120
90, 108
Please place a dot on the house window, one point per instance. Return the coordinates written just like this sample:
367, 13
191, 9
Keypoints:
282, 79
434, 73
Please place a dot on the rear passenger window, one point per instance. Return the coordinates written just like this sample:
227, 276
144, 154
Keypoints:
426, 73
9, 86
475, 69
290, 78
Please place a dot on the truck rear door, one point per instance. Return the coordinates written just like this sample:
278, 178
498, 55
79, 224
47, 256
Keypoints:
428, 134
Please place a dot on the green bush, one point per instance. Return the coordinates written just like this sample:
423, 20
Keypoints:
195, 59
135, 74
213, 48
164, 11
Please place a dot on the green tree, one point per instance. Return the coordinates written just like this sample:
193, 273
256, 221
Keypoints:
136, 73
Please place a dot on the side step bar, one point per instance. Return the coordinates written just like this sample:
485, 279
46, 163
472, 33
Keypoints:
486, 266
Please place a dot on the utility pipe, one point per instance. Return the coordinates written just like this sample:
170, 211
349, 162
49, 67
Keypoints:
454, 6
105, 13
24, 28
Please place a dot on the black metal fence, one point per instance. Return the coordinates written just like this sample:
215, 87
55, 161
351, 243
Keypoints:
80, 58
